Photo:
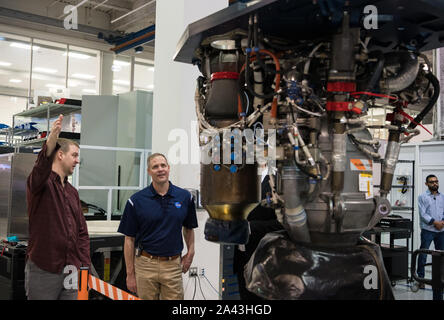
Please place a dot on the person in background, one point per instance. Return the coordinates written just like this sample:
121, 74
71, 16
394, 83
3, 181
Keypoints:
152, 222
431, 212
58, 234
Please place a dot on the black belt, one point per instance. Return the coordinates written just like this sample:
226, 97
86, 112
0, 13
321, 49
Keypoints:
149, 255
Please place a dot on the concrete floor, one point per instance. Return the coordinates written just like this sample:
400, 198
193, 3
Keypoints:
402, 292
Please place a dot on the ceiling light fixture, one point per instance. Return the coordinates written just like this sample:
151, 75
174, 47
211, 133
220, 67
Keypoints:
77, 55
24, 46
15, 80
45, 70
5, 64
89, 91
55, 86
122, 82
121, 63
83, 76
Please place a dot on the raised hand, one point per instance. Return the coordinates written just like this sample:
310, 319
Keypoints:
56, 128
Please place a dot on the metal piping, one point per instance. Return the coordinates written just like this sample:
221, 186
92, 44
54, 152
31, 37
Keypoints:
132, 11
74, 8
409, 70
389, 165
295, 217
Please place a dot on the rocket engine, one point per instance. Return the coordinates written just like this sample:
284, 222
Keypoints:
296, 103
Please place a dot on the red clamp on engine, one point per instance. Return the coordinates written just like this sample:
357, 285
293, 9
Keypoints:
341, 86
224, 75
342, 106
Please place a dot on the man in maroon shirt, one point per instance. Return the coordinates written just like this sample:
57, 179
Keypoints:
58, 234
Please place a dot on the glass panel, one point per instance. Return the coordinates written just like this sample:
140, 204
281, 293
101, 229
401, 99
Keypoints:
15, 58
10, 106
49, 70
143, 75
83, 72
94, 202
121, 74
120, 198
101, 168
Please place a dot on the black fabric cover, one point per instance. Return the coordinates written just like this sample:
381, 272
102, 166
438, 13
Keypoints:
280, 269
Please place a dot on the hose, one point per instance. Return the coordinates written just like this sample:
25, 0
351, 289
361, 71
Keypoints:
310, 56
273, 112
412, 133
327, 165
407, 74
431, 103
373, 155
376, 75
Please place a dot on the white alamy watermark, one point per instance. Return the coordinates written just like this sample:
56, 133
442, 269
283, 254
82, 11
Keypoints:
71, 281
71, 20
371, 280
371, 17
229, 146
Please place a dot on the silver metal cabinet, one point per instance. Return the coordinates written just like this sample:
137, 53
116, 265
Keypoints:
14, 170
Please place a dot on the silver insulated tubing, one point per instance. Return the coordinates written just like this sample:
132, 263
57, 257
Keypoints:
295, 217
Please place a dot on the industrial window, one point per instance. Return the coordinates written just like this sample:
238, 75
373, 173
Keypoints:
143, 75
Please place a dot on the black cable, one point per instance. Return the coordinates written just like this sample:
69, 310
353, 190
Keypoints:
212, 286
201, 288
194, 293
429, 106
376, 75
250, 88
403, 180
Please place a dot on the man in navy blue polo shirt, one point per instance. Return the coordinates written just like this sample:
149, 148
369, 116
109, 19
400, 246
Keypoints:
431, 211
152, 223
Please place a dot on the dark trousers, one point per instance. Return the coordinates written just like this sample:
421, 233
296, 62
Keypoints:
44, 285
426, 239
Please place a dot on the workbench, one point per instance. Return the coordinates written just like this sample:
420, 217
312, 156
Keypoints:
106, 249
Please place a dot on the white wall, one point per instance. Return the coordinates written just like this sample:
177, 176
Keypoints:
207, 257
175, 84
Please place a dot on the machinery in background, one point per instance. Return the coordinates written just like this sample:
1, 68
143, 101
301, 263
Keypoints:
294, 79
14, 171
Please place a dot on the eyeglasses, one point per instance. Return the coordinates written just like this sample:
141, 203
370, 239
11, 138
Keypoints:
432, 182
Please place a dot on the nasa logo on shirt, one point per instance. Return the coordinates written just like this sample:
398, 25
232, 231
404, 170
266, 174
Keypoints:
178, 204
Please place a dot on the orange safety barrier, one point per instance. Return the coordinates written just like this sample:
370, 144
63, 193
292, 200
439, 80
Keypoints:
100, 286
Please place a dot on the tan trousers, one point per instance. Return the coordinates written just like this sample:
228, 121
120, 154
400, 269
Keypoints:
157, 279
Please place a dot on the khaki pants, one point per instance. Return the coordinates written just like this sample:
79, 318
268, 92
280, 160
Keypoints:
157, 279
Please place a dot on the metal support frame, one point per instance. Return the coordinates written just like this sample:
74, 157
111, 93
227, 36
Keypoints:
33, 18
132, 11
436, 281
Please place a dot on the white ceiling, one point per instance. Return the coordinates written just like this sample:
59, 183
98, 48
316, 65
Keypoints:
103, 15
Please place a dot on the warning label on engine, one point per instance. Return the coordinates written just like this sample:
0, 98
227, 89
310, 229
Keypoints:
366, 184
361, 165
